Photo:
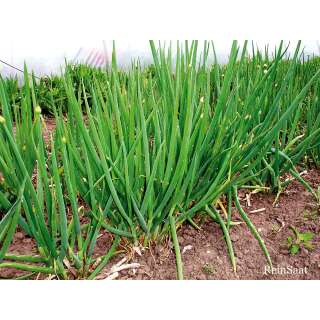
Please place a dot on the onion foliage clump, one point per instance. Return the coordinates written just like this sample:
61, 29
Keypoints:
138, 153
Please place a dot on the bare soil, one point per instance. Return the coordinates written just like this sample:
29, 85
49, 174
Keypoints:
204, 252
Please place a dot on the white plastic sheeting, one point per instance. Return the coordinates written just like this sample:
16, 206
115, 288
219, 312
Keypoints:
49, 57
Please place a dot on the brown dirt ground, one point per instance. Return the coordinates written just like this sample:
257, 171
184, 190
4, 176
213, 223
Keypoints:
206, 256
50, 125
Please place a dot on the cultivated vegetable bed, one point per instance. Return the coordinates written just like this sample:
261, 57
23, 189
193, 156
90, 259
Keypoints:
140, 152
